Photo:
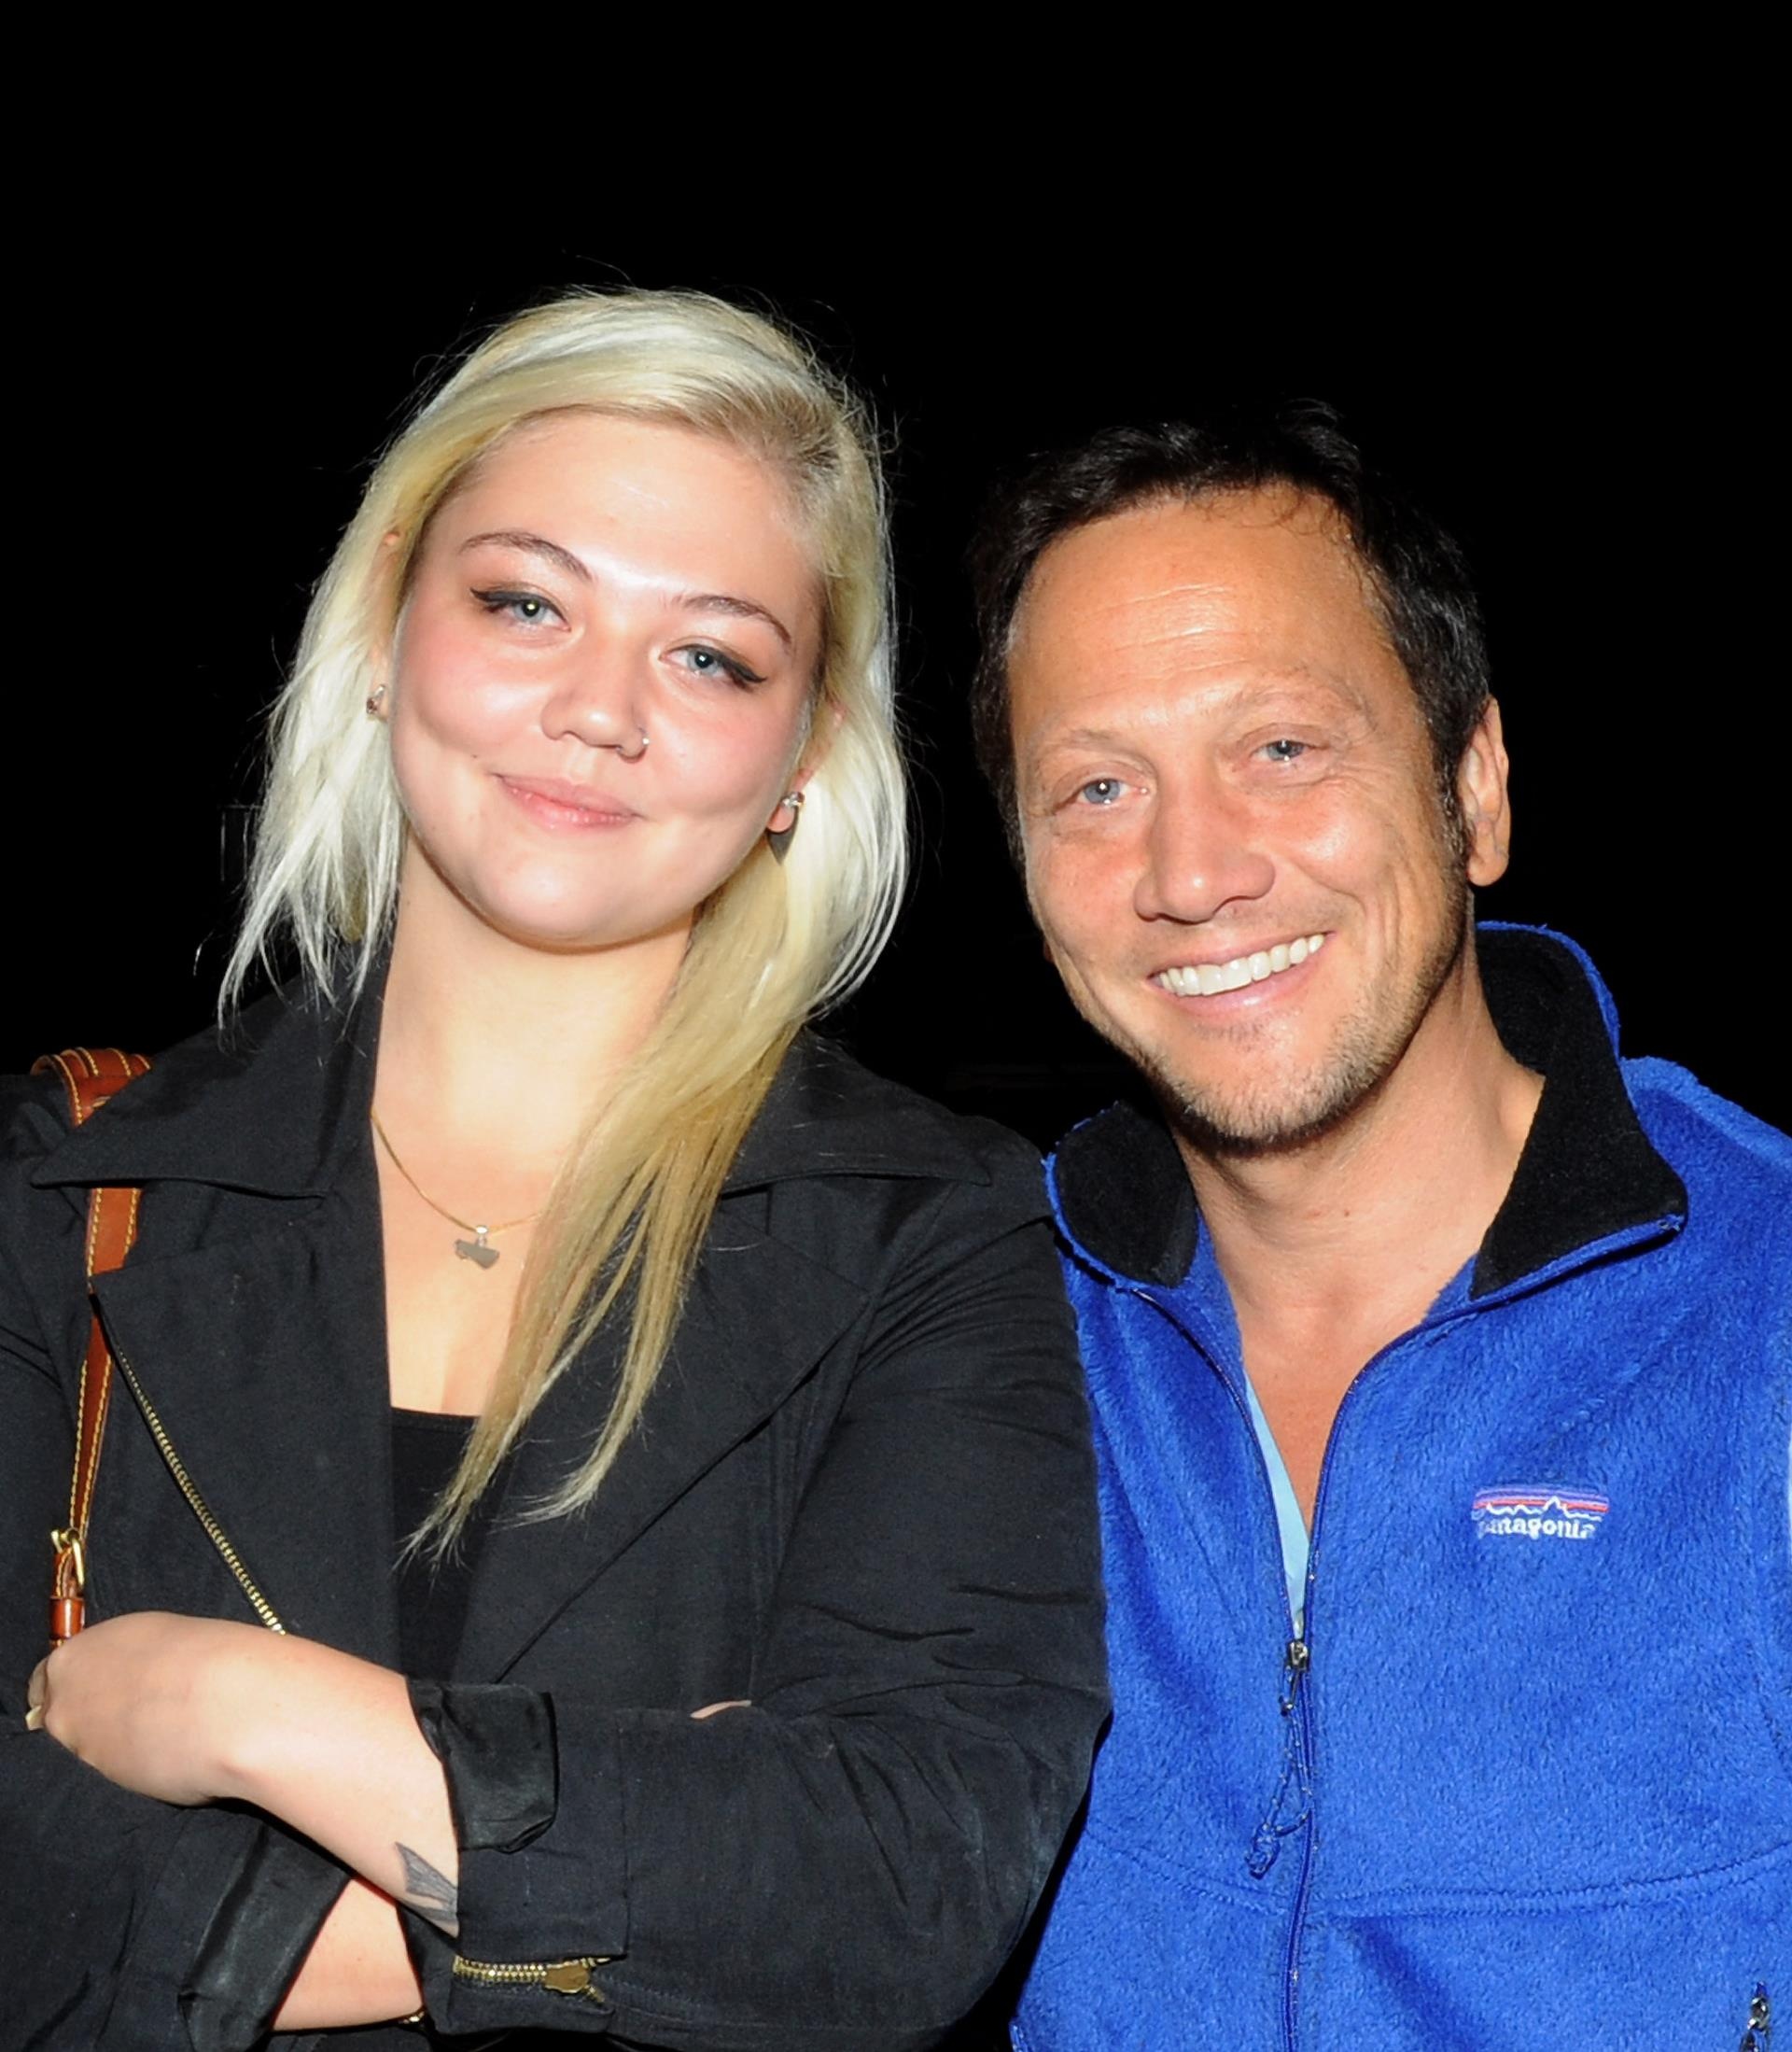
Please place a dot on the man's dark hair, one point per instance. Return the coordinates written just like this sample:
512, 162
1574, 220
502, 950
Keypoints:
1416, 573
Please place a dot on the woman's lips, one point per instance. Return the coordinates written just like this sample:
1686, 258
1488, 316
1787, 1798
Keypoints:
566, 808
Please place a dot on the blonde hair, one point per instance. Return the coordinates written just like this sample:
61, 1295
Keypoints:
635, 1195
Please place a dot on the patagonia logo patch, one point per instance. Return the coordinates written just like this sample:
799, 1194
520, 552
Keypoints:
1551, 1512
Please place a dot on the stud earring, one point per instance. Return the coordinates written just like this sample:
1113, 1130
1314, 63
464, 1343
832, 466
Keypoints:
375, 699
778, 837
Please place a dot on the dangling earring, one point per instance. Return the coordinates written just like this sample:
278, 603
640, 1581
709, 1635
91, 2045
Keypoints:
375, 699
778, 838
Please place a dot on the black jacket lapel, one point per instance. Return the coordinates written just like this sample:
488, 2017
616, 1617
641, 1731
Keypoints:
759, 1317
265, 1361
273, 1105
252, 1310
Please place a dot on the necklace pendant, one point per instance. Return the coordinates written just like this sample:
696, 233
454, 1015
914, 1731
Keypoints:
477, 1249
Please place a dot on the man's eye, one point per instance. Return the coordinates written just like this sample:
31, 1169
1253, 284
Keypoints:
1284, 750
1100, 791
527, 607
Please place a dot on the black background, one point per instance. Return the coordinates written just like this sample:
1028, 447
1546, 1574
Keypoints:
1582, 403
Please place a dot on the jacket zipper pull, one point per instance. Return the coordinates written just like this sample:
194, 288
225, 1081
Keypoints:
1758, 2037
1295, 1665
1266, 1841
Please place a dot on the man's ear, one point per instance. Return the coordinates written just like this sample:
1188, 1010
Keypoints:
1484, 799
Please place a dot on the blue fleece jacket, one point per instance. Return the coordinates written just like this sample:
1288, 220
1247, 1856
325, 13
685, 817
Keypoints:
1527, 1778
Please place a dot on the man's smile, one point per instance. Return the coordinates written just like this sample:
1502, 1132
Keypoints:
1209, 978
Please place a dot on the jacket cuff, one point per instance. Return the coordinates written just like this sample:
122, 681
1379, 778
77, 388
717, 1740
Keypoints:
496, 1742
531, 1899
256, 1934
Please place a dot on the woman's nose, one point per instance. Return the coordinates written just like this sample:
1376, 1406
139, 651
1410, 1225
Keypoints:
595, 701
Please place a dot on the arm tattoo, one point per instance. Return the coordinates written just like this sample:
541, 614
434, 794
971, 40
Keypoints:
429, 1892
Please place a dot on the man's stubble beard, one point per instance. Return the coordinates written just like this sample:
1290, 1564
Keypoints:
1296, 1112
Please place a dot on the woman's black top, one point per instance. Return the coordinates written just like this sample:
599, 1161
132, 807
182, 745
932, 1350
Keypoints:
427, 1447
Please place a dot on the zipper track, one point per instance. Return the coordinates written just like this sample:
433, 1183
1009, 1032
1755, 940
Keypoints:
1297, 1929
563, 1977
263, 1609
1297, 1921
1295, 1706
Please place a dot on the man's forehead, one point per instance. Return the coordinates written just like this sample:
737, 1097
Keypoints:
1112, 710
1173, 594
1169, 567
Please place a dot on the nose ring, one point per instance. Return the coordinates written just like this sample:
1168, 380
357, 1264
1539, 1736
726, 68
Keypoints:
634, 755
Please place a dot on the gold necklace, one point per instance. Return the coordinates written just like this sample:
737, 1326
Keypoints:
476, 1250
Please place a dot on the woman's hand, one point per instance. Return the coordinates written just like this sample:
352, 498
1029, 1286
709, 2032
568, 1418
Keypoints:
151, 1700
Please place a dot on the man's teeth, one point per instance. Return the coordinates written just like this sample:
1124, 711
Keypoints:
1215, 976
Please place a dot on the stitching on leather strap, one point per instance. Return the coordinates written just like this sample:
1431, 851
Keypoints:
75, 1479
84, 1480
92, 1246
60, 1064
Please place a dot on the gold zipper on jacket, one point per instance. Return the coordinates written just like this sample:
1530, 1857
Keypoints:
214, 1530
564, 1976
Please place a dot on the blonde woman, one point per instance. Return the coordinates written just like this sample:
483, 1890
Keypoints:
657, 1442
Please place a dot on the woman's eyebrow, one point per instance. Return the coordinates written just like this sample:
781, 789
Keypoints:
537, 544
740, 608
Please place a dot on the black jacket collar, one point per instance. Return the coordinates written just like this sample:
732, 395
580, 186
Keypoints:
253, 1313
1587, 1169
278, 1104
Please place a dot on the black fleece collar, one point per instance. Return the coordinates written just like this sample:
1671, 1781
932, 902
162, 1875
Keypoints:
1587, 1169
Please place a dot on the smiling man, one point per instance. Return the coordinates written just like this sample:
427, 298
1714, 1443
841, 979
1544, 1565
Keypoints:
1439, 1358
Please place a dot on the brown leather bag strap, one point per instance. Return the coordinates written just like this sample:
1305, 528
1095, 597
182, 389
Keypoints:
89, 1078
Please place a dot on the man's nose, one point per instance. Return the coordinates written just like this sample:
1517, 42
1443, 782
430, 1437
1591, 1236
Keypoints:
599, 697
1202, 852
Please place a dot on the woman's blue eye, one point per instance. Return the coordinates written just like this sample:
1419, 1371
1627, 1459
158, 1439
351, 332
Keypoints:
527, 607
1101, 790
708, 662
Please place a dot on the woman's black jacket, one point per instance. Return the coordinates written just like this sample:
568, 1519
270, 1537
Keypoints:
861, 1497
